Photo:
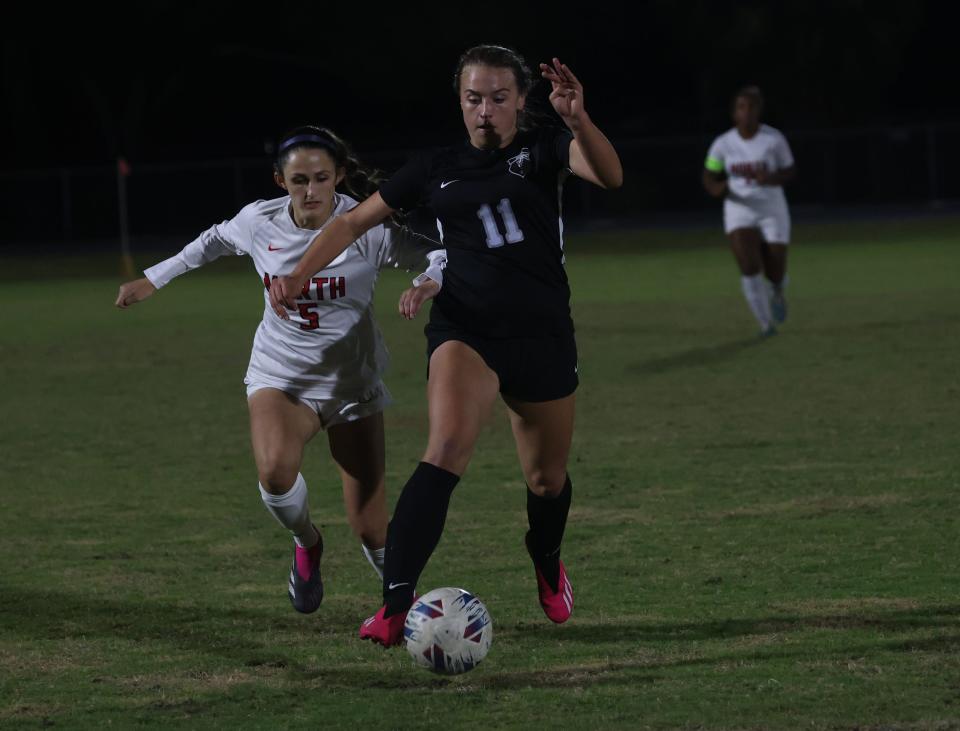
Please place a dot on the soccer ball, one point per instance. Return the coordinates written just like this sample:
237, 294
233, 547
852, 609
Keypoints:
448, 631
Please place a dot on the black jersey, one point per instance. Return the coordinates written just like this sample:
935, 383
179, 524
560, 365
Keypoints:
498, 213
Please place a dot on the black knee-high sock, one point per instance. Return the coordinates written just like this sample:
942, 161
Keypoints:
414, 532
548, 517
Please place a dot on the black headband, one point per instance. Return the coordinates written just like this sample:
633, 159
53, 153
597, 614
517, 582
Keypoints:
317, 139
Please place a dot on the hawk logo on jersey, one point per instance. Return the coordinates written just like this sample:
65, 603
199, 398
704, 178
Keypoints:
518, 163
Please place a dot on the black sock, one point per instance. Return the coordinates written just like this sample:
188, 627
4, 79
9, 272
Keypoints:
414, 532
548, 517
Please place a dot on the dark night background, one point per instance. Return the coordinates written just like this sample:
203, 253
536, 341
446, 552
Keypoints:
855, 86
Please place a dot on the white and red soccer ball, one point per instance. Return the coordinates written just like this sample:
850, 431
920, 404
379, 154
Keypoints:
448, 631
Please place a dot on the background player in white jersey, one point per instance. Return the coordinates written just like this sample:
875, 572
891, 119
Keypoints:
747, 166
322, 368
502, 324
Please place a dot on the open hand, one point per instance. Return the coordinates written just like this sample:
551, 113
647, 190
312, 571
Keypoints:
412, 299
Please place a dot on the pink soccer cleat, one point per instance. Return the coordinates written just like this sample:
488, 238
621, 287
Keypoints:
557, 605
305, 586
386, 631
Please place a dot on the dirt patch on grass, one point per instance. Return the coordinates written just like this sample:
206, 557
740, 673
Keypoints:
761, 640
626, 672
608, 516
953, 725
195, 681
890, 615
84, 542
233, 548
811, 507
65, 656
23, 711
842, 606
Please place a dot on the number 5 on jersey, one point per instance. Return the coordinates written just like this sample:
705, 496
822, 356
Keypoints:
494, 239
307, 313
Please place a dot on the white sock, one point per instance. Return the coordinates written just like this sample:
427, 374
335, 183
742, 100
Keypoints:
292, 512
758, 297
375, 557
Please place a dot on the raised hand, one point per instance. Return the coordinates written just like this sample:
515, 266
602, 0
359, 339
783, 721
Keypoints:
567, 94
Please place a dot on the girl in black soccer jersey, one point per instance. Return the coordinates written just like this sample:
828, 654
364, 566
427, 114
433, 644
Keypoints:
501, 323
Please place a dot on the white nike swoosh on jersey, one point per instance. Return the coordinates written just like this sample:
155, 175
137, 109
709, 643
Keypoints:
445, 183
391, 586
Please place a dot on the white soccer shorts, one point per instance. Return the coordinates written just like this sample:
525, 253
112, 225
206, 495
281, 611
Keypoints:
773, 219
339, 411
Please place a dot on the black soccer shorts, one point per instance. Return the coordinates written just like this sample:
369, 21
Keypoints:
535, 368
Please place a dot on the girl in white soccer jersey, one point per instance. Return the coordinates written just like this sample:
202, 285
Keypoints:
322, 368
747, 166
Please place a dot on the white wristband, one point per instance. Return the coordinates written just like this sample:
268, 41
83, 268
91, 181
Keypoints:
433, 272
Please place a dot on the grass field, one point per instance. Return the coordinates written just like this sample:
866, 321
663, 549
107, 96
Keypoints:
764, 535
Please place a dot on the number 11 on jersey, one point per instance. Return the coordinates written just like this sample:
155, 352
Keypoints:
494, 239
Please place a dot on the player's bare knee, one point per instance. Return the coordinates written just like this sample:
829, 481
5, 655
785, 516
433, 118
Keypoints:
544, 483
451, 453
277, 476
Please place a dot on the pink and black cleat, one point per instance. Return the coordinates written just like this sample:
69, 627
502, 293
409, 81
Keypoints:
557, 605
386, 631
306, 587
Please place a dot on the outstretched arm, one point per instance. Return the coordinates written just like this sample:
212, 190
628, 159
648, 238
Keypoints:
592, 157
219, 240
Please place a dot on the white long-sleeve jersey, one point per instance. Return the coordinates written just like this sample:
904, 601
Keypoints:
331, 347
